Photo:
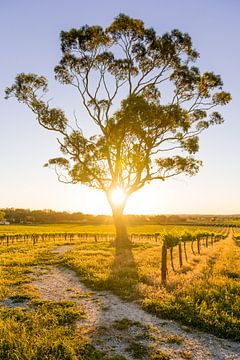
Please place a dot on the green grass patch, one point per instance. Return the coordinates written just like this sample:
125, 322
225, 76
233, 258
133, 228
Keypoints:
47, 332
125, 324
160, 355
137, 350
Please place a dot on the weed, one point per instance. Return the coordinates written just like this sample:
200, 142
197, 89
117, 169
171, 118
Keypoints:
138, 351
230, 274
124, 324
173, 339
160, 355
20, 298
186, 355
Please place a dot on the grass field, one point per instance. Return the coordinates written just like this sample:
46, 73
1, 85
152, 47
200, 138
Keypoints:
205, 293
97, 229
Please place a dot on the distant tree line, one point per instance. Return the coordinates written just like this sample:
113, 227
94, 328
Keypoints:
27, 216
2, 216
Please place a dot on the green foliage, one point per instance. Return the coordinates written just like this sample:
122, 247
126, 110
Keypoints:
2, 216
131, 63
187, 236
171, 240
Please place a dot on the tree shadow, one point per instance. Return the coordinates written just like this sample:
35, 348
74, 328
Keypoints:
123, 276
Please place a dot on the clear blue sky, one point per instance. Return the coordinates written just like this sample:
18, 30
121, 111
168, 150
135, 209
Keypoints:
30, 43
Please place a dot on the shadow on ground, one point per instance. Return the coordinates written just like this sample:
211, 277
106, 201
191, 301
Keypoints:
123, 275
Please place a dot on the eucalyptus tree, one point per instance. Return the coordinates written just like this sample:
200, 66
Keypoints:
147, 99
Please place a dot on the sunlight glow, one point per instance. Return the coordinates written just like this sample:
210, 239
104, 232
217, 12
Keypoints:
118, 196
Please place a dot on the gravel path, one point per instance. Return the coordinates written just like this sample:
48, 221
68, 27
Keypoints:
109, 332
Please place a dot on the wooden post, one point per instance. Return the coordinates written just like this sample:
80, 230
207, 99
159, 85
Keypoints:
164, 264
171, 256
198, 245
212, 239
180, 254
185, 249
192, 246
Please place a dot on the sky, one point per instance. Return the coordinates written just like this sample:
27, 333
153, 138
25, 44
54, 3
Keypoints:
30, 43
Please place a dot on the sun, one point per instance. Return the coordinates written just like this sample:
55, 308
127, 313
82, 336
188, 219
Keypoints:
118, 196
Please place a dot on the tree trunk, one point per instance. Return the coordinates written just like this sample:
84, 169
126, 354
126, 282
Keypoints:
118, 220
120, 226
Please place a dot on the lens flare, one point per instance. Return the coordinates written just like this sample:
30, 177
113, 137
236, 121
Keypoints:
118, 196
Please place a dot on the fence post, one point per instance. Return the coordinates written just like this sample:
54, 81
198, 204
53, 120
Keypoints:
171, 257
207, 241
185, 250
180, 254
198, 245
212, 239
164, 264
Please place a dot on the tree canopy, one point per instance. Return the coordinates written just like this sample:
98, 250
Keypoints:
147, 98
2, 215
